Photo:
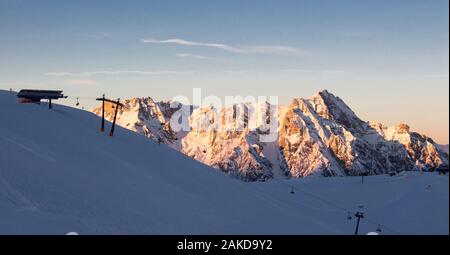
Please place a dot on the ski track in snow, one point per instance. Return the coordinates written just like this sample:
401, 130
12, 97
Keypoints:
27, 149
15, 196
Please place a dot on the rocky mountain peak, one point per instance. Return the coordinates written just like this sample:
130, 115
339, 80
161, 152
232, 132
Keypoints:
402, 128
316, 136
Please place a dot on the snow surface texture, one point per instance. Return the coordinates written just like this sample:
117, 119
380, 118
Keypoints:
59, 174
316, 136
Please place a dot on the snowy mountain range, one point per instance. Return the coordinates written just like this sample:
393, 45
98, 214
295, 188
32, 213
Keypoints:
320, 135
316, 136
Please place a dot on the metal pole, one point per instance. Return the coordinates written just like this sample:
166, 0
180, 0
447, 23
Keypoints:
102, 129
359, 215
115, 116
49, 103
357, 227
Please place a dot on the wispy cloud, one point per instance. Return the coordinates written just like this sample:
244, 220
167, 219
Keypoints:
188, 55
309, 71
118, 72
191, 43
260, 49
81, 82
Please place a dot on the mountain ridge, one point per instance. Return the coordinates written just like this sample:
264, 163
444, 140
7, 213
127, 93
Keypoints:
319, 135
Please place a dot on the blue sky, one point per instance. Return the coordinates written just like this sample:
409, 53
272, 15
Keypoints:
388, 60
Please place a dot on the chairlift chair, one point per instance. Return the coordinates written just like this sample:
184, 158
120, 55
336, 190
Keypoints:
349, 216
378, 229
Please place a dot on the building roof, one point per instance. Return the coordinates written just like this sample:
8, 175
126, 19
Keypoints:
40, 94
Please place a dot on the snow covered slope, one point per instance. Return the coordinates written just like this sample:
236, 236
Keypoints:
59, 174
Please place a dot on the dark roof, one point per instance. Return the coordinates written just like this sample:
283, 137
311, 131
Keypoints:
40, 94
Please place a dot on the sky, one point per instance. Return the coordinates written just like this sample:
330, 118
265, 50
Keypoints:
387, 59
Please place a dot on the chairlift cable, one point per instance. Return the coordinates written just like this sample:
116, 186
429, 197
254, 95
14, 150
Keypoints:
383, 226
349, 212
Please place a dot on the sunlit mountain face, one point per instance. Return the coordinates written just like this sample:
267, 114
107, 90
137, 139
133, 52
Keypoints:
320, 135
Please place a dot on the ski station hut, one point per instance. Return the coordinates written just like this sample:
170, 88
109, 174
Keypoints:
35, 96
